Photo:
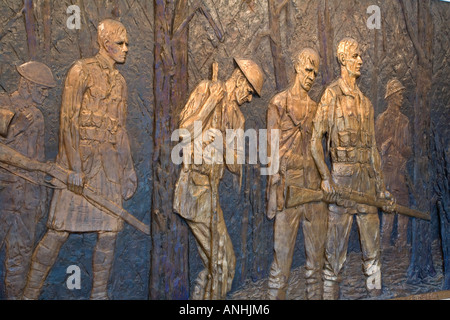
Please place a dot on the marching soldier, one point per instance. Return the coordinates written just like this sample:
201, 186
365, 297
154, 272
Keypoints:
216, 105
23, 202
292, 112
94, 146
394, 140
345, 116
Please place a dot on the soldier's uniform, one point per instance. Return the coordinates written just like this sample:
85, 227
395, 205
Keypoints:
94, 141
22, 201
196, 195
347, 117
193, 191
297, 168
392, 127
93, 137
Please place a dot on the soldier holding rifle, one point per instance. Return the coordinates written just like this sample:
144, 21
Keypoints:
94, 148
292, 112
345, 116
23, 203
215, 105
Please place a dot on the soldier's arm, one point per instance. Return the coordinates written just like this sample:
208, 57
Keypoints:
20, 123
273, 123
234, 121
379, 133
406, 149
197, 108
39, 154
129, 178
37, 149
375, 155
320, 129
74, 88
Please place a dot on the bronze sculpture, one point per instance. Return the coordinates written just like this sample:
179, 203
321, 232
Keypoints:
292, 112
23, 203
216, 105
94, 146
346, 117
394, 141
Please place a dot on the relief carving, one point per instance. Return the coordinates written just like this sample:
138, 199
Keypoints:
23, 202
292, 112
215, 105
346, 116
94, 148
394, 141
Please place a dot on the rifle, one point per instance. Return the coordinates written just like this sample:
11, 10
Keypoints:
215, 282
13, 158
297, 196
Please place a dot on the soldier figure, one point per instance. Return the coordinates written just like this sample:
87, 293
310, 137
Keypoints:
216, 105
94, 146
23, 202
346, 117
394, 140
292, 112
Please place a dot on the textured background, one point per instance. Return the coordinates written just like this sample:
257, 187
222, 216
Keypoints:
320, 24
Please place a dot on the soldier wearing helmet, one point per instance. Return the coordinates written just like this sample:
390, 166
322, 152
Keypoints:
292, 112
215, 105
394, 141
23, 203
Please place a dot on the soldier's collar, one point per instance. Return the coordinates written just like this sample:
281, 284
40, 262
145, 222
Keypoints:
346, 90
105, 63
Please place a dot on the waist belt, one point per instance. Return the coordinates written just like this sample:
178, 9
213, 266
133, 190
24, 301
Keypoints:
97, 134
350, 155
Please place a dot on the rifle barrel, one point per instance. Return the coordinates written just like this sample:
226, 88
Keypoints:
298, 196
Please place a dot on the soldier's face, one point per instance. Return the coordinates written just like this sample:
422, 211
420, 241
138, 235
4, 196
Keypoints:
308, 72
353, 61
244, 91
397, 98
117, 46
38, 93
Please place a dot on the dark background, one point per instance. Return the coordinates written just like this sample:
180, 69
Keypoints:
388, 52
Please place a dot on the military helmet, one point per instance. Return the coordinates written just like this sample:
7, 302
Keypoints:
252, 72
38, 73
392, 87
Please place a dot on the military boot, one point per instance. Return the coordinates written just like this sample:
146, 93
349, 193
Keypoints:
102, 263
44, 257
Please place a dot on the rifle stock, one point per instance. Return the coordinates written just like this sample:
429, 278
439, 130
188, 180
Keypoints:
298, 196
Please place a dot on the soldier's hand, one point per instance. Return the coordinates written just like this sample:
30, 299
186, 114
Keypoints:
328, 186
385, 195
75, 182
128, 193
386, 145
390, 206
276, 178
216, 91
329, 190
24, 120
